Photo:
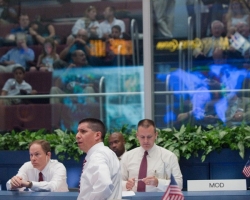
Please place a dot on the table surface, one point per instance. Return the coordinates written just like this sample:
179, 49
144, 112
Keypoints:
220, 195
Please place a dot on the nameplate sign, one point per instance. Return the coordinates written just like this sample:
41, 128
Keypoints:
216, 185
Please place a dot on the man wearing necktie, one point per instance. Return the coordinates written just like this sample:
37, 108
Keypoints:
148, 168
204, 51
41, 173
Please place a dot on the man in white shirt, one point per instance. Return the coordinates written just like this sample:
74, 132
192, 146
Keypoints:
41, 173
161, 163
117, 144
109, 22
101, 174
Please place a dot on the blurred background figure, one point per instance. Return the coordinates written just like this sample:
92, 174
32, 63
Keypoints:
117, 144
7, 14
164, 14
89, 23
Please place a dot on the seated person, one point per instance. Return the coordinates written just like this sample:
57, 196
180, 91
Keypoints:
112, 48
109, 22
205, 51
7, 14
23, 27
40, 32
162, 163
70, 82
116, 33
16, 86
89, 23
237, 109
237, 12
48, 57
41, 173
79, 43
17, 56
201, 110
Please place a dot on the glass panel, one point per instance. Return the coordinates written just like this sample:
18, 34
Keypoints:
201, 61
95, 72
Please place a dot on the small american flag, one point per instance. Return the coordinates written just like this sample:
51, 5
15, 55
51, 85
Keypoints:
246, 169
173, 191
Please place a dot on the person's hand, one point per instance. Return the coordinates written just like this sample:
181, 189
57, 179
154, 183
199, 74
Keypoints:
106, 36
71, 65
32, 32
238, 116
9, 62
81, 41
93, 29
33, 92
130, 184
16, 182
151, 180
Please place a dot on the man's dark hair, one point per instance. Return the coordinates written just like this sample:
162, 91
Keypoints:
23, 14
74, 53
117, 27
44, 144
145, 123
95, 125
18, 68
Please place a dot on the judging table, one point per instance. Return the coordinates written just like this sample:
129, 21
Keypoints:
215, 195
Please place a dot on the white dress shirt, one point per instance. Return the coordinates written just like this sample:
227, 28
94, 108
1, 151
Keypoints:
80, 24
13, 87
54, 176
101, 176
106, 27
161, 164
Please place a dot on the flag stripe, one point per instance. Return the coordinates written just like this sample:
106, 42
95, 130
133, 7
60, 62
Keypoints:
246, 169
173, 192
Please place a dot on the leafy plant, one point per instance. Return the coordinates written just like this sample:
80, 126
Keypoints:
186, 142
63, 143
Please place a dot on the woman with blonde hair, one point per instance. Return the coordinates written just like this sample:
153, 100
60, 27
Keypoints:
237, 12
88, 22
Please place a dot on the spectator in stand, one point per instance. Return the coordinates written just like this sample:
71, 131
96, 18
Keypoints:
112, 44
48, 57
70, 82
7, 14
116, 33
16, 86
205, 51
237, 12
79, 43
40, 32
23, 27
17, 56
109, 22
243, 29
88, 23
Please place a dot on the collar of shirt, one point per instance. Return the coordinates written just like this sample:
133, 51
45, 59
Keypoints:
150, 151
93, 148
46, 169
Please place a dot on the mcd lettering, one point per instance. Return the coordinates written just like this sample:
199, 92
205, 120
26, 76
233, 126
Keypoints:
216, 185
